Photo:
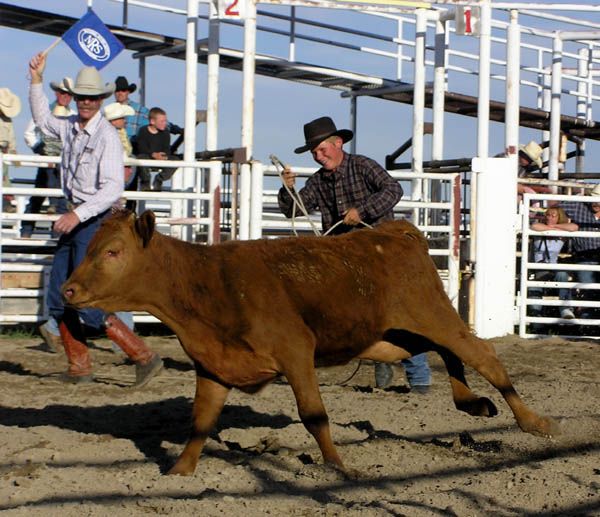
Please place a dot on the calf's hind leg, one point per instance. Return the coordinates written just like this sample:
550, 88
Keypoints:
208, 404
464, 399
481, 356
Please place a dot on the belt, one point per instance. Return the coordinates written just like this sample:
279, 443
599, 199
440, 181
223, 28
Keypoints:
72, 206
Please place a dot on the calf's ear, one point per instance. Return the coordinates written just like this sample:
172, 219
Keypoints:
144, 225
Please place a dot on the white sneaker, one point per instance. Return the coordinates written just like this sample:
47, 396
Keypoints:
567, 314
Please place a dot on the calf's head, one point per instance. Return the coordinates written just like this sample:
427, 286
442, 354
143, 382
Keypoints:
114, 264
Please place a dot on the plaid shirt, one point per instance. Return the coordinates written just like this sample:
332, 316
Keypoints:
582, 215
358, 182
134, 122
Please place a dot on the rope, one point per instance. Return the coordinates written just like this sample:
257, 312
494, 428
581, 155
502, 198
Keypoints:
280, 167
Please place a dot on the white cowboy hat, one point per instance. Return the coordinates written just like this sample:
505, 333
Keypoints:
89, 82
533, 151
61, 86
61, 111
117, 110
10, 104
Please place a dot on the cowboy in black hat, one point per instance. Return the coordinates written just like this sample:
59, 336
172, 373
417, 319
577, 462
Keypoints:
140, 118
349, 189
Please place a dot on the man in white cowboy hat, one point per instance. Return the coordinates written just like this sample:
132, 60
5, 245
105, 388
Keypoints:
92, 180
47, 145
349, 189
139, 117
10, 107
584, 250
530, 159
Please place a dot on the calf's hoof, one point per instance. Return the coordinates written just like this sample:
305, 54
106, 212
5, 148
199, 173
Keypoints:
542, 426
481, 406
182, 468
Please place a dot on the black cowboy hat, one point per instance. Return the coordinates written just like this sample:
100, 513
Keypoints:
121, 83
318, 130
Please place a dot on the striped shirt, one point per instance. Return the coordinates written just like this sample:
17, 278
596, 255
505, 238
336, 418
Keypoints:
359, 182
92, 157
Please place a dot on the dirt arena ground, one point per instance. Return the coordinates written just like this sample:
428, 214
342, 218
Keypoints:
102, 449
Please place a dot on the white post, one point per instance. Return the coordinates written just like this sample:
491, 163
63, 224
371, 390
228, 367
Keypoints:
557, 49
439, 87
212, 89
483, 122
212, 114
418, 108
583, 71
496, 244
185, 178
256, 205
247, 117
513, 65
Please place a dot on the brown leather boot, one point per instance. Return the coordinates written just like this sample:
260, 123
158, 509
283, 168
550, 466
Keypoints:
147, 362
80, 364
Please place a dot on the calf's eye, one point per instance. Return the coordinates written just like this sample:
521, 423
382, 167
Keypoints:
112, 253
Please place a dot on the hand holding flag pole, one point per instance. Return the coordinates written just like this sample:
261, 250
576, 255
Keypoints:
54, 43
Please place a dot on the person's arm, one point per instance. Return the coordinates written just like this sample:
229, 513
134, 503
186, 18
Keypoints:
40, 109
33, 137
567, 227
308, 195
386, 190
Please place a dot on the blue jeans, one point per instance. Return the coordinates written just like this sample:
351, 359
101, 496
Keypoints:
537, 292
417, 370
586, 277
70, 252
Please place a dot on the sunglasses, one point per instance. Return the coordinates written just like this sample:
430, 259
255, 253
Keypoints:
91, 98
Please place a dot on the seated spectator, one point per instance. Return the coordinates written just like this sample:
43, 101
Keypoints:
10, 107
154, 142
585, 250
546, 249
116, 113
139, 117
46, 145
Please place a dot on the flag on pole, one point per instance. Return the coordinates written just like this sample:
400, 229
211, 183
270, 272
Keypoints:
92, 41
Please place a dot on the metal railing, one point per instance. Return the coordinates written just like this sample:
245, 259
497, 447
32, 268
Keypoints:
529, 280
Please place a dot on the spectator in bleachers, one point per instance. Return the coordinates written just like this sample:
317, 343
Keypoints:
47, 145
10, 107
546, 250
154, 142
116, 114
139, 117
585, 250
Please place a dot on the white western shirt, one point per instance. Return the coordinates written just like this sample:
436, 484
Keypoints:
91, 160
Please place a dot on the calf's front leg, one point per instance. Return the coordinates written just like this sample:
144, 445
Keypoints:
208, 404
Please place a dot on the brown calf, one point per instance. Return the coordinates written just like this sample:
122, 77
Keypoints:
247, 312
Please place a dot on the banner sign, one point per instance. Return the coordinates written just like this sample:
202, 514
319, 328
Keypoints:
92, 41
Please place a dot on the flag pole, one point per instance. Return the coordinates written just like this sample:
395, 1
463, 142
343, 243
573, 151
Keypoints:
56, 42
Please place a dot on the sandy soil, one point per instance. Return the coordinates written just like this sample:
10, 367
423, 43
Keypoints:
102, 449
